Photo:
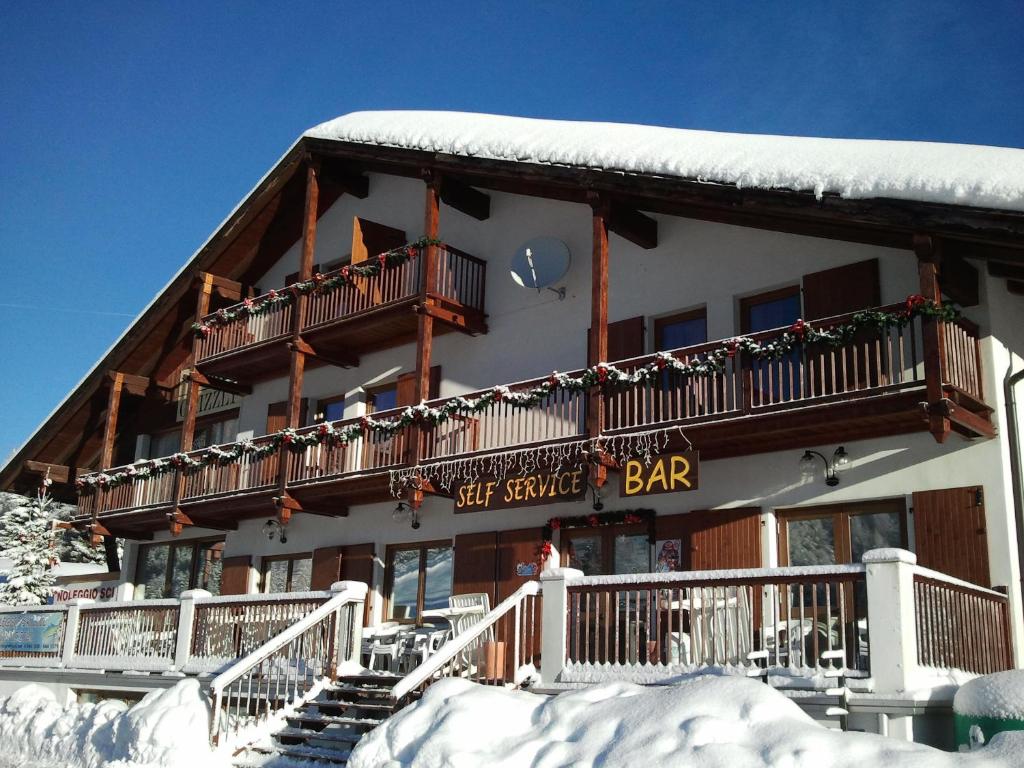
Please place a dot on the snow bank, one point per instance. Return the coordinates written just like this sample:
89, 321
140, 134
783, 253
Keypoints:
703, 722
168, 728
960, 174
1000, 695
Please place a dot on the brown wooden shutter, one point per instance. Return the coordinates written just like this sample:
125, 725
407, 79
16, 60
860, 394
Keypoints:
950, 534
234, 577
277, 415
515, 547
841, 289
357, 565
625, 339
475, 564
326, 567
725, 538
371, 239
406, 387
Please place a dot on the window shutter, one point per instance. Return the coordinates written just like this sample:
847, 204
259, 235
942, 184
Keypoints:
841, 290
950, 534
326, 567
725, 538
475, 564
625, 339
357, 565
371, 239
277, 415
235, 573
406, 387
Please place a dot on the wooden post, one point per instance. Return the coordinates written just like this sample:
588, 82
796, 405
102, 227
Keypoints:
110, 428
188, 424
425, 322
934, 343
598, 321
297, 366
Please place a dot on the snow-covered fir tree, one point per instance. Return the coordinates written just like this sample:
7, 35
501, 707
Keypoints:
27, 539
72, 546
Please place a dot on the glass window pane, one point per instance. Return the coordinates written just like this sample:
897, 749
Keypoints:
181, 569
385, 399
210, 566
684, 333
776, 313
275, 576
881, 529
302, 572
405, 567
811, 542
632, 553
153, 570
438, 586
334, 411
585, 554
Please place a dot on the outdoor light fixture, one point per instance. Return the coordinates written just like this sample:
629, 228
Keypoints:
272, 529
414, 515
840, 461
598, 505
401, 513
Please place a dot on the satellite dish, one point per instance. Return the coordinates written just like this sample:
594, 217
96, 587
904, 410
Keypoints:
540, 263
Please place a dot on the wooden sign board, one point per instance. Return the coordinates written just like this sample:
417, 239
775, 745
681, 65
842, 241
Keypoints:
669, 473
529, 490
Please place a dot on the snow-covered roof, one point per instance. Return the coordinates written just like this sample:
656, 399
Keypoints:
957, 174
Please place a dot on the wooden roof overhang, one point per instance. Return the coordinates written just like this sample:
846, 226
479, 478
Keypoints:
268, 221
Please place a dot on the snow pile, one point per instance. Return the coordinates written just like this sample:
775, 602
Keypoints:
1000, 695
168, 728
960, 174
703, 722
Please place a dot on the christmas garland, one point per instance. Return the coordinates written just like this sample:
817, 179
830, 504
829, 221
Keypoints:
319, 283
596, 520
602, 375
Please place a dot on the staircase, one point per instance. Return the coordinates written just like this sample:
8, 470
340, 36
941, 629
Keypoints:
323, 731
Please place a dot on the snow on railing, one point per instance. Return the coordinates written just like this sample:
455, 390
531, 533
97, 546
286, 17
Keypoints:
479, 652
288, 668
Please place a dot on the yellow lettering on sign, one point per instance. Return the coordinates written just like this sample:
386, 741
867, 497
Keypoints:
680, 471
490, 492
576, 480
658, 476
509, 494
634, 483
463, 501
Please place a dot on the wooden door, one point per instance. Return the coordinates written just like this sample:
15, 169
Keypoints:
950, 533
475, 564
725, 538
518, 553
357, 562
326, 568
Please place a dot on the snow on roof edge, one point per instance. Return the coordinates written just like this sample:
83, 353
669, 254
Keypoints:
929, 172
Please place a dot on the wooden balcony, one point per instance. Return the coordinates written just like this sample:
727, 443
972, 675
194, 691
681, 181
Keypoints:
368, 314
873, 385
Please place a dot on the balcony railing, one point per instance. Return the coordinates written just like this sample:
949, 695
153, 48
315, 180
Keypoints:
869, 365
459, 279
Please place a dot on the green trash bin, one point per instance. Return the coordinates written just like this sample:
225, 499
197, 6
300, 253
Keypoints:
988, 705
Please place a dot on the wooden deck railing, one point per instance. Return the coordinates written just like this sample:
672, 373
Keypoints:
963, 357
390, 286
249, 472
460, 277
272, 325
960, 625
142, 492
136, 635
804, 620
369, 453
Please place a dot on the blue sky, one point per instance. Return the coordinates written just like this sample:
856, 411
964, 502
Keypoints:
129, 130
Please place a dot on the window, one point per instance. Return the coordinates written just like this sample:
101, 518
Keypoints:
612, 549
287, 573
216, 432
381, 398
684, 329
167, 570
164, 444
773, 379
330, 408
418, 578
840, 533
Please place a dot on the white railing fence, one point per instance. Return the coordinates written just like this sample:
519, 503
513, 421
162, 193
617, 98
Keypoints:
287, 669
480, 653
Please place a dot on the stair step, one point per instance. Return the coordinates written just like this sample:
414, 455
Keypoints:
383, 706
380, 681
359, 690
325, 720
300, 734
313, 754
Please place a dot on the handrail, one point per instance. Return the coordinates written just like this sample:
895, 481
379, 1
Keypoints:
347, 592
745, 575
450, 650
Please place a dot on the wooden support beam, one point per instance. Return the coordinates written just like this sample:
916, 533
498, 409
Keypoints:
177, 520
337, 358
56, 472
460, 321
130, 383
598, 307
188, 424
970, 424
959, 281
287, 505
222, 287
627, 222
934, 348
110, 424
219, 383
349, 180
465, 198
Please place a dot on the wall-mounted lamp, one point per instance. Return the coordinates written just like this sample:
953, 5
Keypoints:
840, 461
405, 512
272, 529
598, 505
